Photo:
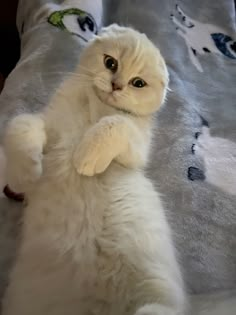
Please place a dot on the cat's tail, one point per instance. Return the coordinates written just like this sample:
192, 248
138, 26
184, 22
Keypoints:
217, 304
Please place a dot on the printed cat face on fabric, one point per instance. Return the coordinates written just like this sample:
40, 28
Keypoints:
75, 21
202, 38
219, 157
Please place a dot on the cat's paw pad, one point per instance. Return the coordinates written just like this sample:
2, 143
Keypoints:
92, 159
24, 170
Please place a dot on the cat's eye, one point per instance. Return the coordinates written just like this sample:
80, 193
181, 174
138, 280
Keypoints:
138, 82
110, 63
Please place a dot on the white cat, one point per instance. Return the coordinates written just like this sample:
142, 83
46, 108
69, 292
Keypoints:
95, 239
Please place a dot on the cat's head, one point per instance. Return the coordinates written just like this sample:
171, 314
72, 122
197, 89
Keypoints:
125, 70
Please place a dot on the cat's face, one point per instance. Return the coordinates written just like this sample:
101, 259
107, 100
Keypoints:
125, 70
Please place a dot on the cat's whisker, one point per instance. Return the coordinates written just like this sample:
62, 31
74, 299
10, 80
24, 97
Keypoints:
79, 75
124, 95
64, 95
102, 81
87, 70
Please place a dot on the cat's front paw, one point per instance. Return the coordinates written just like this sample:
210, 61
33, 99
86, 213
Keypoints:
92, 158
23, 170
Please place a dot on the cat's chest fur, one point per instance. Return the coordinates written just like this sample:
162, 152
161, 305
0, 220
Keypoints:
77, 215
68, 120
65, 207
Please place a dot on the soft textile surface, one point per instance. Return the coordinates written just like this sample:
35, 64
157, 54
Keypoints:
193, 161
196, 176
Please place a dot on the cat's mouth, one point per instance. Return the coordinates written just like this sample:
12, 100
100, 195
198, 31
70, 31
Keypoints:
104, 96
110, 99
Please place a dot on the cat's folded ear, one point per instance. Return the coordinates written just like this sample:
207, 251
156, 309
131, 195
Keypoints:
94, 37
111, 29
108, 31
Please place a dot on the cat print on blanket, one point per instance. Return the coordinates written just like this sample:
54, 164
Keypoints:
72, 17
219, 157
202, 38
74, 20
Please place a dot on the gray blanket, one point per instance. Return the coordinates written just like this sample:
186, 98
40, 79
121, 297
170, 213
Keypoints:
193, 160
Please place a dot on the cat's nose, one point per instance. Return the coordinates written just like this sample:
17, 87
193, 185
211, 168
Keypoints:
116, 86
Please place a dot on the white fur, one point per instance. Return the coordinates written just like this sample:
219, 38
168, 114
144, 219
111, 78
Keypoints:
94, 244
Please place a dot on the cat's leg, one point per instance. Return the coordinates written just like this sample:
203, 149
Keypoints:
160, 294
144, 240
114, 137
159, 288
156, 309
24, 141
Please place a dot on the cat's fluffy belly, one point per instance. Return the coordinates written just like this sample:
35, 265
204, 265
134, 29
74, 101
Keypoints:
92, 259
